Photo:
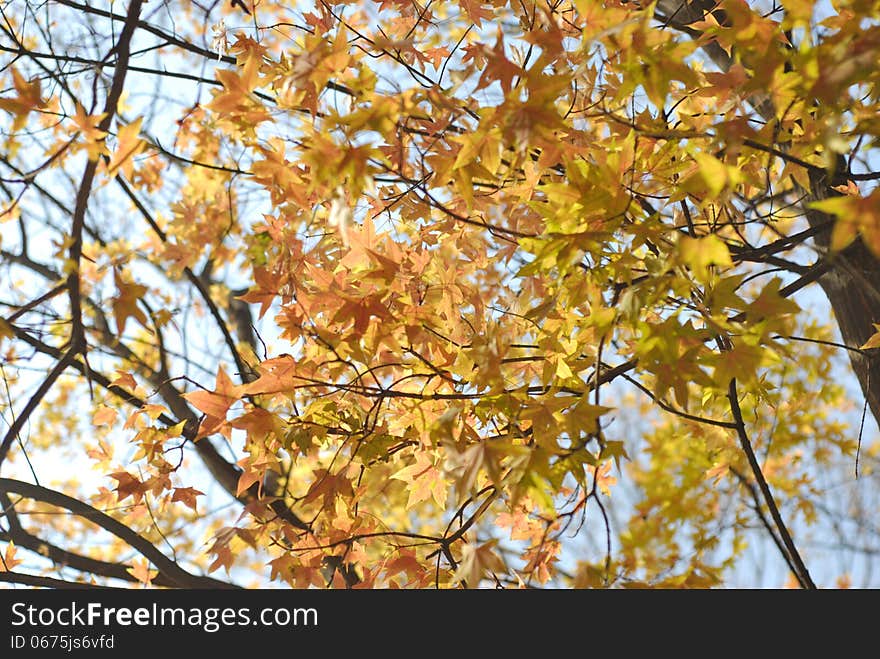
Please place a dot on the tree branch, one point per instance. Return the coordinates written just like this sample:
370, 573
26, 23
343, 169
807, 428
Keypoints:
801, 572
176, 574
123, 50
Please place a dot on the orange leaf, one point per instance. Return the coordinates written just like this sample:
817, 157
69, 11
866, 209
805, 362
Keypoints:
125, 304
476, 562
128, 145
106, 416
186, 495
28, 99
215, 403
128, 486
246, 479
125, 380
276, 375
9, 559
476, 11
140, 570
425, 481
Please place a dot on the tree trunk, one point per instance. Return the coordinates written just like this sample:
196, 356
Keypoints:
852, 285
853, 289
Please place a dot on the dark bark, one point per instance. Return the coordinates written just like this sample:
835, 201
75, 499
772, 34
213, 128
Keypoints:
852, 285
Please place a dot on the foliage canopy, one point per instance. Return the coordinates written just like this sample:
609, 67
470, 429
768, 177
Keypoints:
445, 293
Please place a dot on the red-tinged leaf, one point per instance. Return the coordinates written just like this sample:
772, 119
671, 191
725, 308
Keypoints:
128, 486
476, 11
125, 380
276, 374
498, 67
406, 561
223, 558
246, 480
328, 486
215, 403
187, 495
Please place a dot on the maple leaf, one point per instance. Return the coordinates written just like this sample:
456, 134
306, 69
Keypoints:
258, 422
267, 287
105, 416
476, 562
476, 11
128, 145
125, 304
28, 99
874, 341
124, 379
604, 479
584, 209
498, 67
425, 481
128, 486
215, 404
247, 478
140, 570
187, 495
9, 560
405, 561
328, 486
87, 127
436, 55
276, 374
701, 253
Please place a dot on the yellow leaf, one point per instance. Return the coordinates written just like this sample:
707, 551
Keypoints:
425, 481
140, 570
28, 99
6, 330
128, 145
9, 559
700, 253
874, 341
476, 561
563, 371
713, 172
106, 416
87, 127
